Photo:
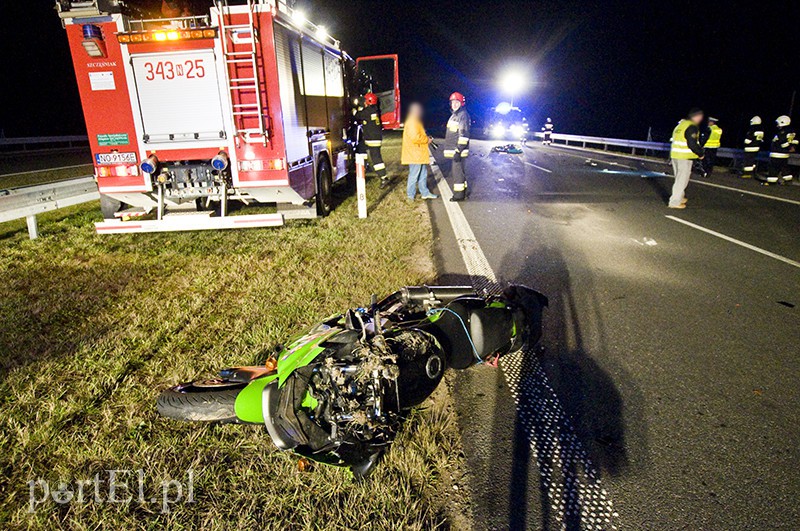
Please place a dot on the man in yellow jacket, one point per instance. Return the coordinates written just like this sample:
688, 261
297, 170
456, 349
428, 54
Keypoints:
415, 153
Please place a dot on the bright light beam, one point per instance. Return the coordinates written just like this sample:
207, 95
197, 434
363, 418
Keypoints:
513, 82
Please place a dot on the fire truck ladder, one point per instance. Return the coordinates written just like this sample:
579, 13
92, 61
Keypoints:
238, 86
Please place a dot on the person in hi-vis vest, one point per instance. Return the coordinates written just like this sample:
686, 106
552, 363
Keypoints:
684, 151
712, 140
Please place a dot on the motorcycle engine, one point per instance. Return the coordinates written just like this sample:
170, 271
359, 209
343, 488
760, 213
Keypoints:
361, 389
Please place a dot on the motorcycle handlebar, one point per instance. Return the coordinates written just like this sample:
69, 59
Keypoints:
443, 294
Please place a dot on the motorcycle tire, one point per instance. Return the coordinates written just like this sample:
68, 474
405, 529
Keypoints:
201, 401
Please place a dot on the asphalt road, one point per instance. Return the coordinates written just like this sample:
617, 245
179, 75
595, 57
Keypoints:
666, 396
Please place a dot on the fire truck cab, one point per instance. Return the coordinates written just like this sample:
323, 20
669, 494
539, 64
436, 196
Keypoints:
249, 102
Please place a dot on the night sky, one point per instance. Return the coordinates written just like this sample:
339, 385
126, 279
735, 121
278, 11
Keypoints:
599, 68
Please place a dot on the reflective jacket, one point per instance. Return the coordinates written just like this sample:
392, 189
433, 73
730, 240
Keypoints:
782, 143
369, 118
713, 137
685, 141
457, 136
754, 138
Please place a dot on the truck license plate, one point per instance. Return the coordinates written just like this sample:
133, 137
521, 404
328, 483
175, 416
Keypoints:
116, 158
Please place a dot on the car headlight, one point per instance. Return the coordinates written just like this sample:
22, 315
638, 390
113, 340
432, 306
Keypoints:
516, 130
498, 130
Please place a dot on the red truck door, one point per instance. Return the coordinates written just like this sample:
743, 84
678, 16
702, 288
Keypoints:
383, 71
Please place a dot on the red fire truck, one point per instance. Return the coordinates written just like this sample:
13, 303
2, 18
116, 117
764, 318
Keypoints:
249, 102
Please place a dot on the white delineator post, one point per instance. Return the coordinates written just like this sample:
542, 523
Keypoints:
361, 184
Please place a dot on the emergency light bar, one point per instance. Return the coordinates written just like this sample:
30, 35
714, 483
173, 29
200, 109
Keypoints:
166, 35
93, 41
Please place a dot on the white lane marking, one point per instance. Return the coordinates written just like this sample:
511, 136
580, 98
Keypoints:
694, 181
737, 242
538, 167
570, 481
471, 252
734, 189
46, 169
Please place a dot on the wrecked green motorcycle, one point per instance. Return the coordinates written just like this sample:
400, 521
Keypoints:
339, 393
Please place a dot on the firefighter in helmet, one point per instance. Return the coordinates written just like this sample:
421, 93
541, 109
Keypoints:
783, 143
547, 129
370, 138
752, 144
456, 144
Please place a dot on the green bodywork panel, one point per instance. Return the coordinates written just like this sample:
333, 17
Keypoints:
248, 401
309, 402
299, 353
303, 351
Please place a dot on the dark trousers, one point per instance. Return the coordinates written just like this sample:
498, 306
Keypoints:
749, 163
709, 158
779, 170
546, 139
459, 179
375, 158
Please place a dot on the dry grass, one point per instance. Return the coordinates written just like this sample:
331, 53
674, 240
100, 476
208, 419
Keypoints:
94, 327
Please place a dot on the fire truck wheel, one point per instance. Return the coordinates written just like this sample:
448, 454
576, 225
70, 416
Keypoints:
109, 206
204, 401
324, 186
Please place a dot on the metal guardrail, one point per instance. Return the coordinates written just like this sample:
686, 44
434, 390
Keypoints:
641, 147
22, 143
28, 201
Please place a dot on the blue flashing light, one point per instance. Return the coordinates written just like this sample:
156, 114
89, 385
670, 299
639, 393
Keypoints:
90, 31
503, 108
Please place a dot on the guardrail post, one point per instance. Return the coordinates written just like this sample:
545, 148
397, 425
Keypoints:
33, 227
361, 184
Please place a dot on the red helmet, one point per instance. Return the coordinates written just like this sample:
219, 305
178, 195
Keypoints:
458, 96
370, 98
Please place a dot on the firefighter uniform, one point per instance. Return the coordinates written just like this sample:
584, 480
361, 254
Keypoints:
548, 132
370, 138
782, 144
456, 146
712, 140
752, 144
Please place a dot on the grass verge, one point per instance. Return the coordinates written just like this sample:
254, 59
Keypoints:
93, 327
45, 176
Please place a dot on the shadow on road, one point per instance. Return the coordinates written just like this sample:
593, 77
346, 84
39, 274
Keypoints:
662, 188
570, 417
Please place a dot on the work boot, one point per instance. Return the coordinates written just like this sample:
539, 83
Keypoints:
456, 199
384, 182
681, 206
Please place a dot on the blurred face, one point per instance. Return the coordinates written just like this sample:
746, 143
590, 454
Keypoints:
415, 110
455, 105
697, 118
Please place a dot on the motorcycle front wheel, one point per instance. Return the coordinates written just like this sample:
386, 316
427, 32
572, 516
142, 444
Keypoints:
201, 401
